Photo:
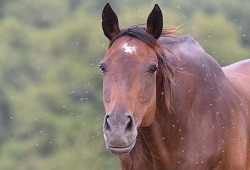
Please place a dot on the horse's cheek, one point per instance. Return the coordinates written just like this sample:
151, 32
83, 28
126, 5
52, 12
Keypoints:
106, 94
148, 100
148, 91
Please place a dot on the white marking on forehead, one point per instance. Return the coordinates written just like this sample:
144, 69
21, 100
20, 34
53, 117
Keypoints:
128, 49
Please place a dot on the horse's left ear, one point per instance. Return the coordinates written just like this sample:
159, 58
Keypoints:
110, 23
155, 22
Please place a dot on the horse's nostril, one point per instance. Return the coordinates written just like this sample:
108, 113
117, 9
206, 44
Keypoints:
129, 124
106, 123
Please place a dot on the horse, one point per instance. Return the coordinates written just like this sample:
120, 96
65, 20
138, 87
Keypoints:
169, 105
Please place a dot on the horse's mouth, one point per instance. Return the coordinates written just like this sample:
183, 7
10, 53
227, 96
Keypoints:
120, 150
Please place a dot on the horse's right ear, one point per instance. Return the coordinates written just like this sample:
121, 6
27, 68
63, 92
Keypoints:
110, 23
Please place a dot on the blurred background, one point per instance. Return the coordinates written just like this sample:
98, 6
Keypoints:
51, 109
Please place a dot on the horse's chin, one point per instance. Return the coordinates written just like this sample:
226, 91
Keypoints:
120, 150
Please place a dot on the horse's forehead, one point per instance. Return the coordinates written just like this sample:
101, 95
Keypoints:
129, 46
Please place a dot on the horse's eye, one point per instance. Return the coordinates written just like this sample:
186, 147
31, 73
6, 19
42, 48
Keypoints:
152, 69
103, 69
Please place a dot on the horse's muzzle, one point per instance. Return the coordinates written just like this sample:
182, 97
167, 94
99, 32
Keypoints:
119, 133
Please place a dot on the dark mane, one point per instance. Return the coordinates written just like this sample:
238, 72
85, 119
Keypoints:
140, 33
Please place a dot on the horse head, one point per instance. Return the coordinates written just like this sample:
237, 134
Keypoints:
130, 69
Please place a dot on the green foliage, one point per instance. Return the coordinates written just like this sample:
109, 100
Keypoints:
51, 107
40, 14
218, 37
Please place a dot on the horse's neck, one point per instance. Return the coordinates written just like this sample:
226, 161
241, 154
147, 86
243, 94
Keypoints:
162, 139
